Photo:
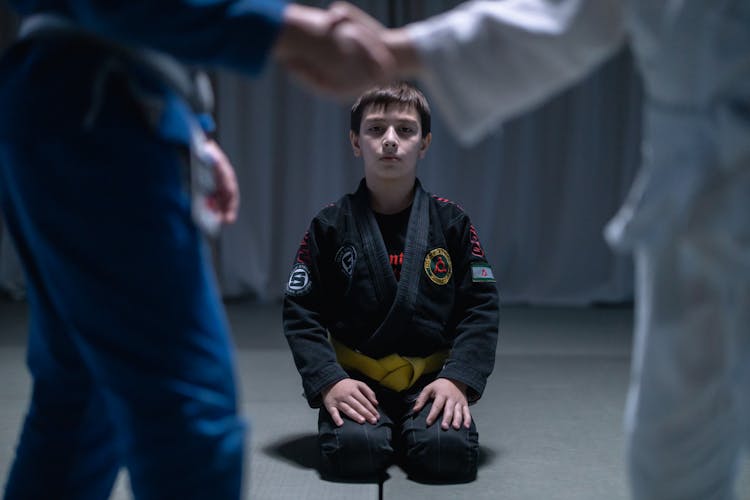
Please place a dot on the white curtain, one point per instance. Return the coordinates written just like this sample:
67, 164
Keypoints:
539, 190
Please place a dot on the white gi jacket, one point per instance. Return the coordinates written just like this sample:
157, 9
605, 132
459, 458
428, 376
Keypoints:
687, 216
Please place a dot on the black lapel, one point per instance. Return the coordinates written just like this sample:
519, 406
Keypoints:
401, 307
373, 248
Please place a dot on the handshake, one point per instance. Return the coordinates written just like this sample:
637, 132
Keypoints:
343, 50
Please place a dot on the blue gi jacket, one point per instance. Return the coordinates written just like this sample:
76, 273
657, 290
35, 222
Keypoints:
204, 33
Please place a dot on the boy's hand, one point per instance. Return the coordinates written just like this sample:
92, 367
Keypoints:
449, 397
225, 199
352, 398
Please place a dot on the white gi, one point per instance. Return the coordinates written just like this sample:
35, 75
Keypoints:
687, 218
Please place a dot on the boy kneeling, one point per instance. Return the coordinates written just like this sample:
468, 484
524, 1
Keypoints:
391, 309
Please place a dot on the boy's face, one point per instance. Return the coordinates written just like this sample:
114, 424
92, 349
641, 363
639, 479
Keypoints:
390, 142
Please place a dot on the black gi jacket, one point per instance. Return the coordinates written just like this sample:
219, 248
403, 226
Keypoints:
342, 282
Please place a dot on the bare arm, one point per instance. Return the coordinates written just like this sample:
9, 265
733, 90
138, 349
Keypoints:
486, 61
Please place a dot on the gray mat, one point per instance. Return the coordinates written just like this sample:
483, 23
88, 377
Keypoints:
549, 423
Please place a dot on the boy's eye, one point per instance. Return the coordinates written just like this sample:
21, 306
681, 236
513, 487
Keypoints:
375, 128
406, 130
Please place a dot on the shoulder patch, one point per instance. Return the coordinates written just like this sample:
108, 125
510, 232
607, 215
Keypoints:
482, 272
299, 280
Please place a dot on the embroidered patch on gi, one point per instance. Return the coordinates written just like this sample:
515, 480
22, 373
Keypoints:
482, 272
346, 258
299, 280
476, 247
437, 266
303, 254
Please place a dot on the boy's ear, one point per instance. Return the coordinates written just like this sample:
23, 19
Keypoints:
354, 139
426, 140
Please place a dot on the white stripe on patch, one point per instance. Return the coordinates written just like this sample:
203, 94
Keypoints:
481, 272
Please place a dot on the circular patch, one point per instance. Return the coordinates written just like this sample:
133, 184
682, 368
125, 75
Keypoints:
299, 280
437, 266
346, 258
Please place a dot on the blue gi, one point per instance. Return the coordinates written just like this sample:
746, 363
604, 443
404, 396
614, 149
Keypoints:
128, 345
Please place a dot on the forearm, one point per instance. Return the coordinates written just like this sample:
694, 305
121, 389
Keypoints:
472, 356
235, 34
485, 61
404, 50
312, 352
474, 320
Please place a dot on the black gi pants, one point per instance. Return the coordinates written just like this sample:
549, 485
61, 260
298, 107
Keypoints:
428, 454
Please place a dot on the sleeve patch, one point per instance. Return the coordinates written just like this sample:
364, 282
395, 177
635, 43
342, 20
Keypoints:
303, 254
482, 272
476, 247
299, 281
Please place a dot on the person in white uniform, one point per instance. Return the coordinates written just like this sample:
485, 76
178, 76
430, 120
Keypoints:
686, 220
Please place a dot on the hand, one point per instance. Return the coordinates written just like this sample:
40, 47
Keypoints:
349, 12
397, 41
331, 53
225, 199
449, 397
353, 398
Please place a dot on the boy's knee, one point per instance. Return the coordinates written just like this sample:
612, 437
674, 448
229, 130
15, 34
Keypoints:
354, 451
442, 456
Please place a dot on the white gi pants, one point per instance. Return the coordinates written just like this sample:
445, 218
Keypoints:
688, 414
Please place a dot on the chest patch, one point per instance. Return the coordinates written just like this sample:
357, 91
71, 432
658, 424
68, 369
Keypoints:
346, 258
299, 280
437, 266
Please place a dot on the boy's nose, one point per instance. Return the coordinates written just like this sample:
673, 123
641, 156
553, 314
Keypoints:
389, 139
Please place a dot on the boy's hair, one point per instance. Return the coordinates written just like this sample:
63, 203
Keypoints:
402, 94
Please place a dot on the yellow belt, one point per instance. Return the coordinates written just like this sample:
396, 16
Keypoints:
393, 371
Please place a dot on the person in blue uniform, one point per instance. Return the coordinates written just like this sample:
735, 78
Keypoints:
391, 309
128, 346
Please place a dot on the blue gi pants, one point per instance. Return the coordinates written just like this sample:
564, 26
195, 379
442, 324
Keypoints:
426, 453
128, 345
